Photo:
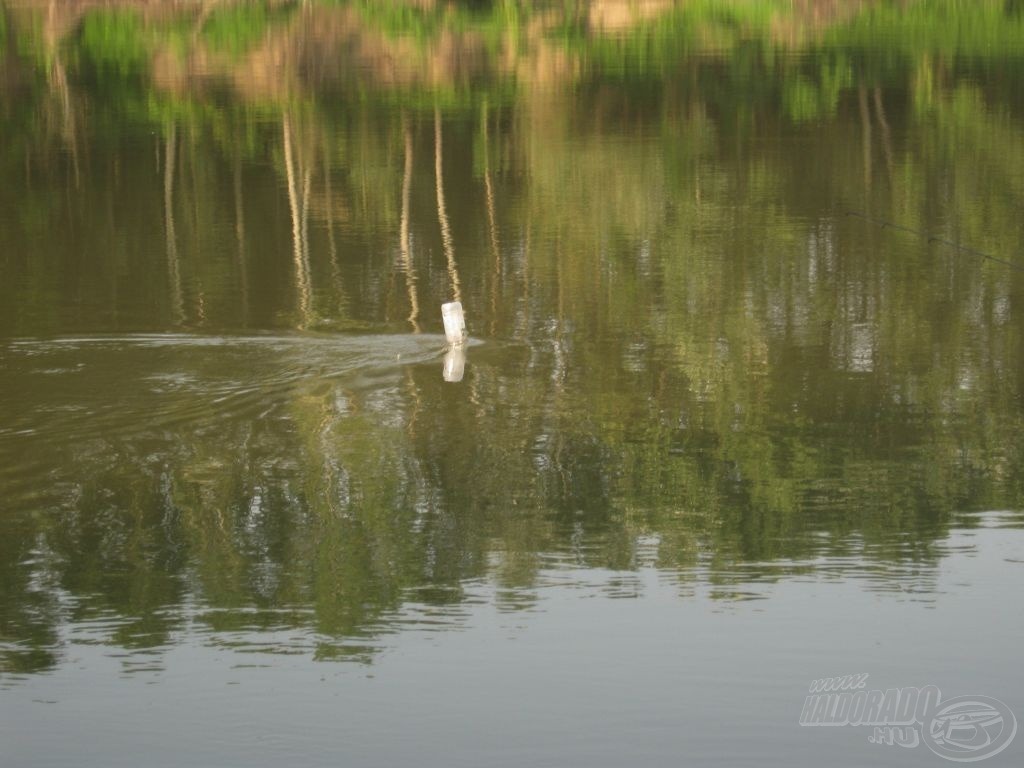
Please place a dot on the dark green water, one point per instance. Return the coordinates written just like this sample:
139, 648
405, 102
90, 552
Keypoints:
720, 432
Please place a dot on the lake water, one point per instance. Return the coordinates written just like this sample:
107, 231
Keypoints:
741, 409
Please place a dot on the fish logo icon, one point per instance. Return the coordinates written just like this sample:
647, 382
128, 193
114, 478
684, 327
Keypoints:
966, 729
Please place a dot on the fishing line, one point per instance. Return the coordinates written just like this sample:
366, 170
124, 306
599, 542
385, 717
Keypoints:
936, 239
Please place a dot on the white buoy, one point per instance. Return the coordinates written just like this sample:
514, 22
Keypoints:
454, 323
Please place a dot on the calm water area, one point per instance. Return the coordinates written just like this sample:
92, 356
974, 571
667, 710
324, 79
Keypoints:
741, 408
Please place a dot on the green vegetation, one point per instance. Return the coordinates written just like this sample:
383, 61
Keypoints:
978, 28
113, 44
426, 23
236, 29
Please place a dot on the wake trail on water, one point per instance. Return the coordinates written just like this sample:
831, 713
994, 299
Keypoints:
76, 391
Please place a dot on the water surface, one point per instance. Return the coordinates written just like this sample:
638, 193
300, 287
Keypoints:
741, 410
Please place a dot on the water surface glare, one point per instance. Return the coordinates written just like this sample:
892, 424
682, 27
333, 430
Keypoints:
668, 675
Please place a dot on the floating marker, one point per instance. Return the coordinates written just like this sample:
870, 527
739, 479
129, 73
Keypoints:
454, 363
454, 323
